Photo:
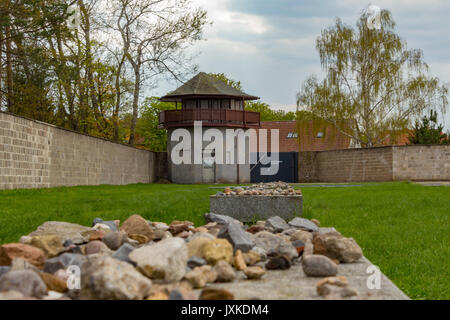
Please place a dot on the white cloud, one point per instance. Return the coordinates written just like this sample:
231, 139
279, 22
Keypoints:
272, 51
232, 21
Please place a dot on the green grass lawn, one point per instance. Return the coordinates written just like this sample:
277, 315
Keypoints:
402, 228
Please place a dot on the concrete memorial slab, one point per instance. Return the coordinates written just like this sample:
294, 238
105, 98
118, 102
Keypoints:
294, 284
258, 202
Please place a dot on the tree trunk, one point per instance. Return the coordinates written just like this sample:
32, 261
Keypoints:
118, 98
81, 86
9, 71
1, 67
89, 71
66, 85
137, 87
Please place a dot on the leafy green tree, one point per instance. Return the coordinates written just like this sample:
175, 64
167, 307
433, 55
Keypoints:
85, 76
373, 79
263, 108
155, 139
268, 114
232, 83
428, 131
24, 26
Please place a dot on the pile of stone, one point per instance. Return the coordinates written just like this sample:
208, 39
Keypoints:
261, 189
140, 259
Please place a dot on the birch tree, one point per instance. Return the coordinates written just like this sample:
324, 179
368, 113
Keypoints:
372, 80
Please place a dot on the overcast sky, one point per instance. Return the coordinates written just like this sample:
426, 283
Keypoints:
269, 45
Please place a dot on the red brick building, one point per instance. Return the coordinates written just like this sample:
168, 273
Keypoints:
317, 138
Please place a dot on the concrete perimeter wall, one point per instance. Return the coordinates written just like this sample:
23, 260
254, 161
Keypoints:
34, 154
411, 162
428, 162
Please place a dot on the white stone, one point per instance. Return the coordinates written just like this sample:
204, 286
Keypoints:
165, 259
107, 278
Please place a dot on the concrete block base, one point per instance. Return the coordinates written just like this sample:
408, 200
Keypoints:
253, 208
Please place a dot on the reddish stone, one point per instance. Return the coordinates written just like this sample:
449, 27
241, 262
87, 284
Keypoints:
189, 223
255, 229
53, 283
299, 246
201, 230
300, 250
10, 251
137, 225
178, 228
215, 294
96, 235
183, 234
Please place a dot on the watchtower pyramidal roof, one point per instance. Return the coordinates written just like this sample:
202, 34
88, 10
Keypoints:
205, 85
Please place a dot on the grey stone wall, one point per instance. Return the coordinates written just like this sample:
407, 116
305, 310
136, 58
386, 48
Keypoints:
38, 155
392, 163
428, 162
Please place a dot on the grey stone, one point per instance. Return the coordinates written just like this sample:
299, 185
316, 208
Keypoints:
22, 264
299, 234
262, 253
200, 235
251, 208
332, 292
165, 259
63, 261
318, 266
327, 230
238, 237
195, 261
218, 218
200, 276
26, 282
67, 243
114, 239
225, 272
335, 246
303, 223
175, 294
74, 249
111, 224
277, 224
123, 253
94, 247
106, 278
66, 231
278, 263
3, 270
274, 245
158, 234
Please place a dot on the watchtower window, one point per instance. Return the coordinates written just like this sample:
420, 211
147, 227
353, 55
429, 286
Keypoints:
204, 104
215, 104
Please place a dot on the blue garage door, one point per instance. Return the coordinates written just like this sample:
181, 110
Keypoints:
287, 172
